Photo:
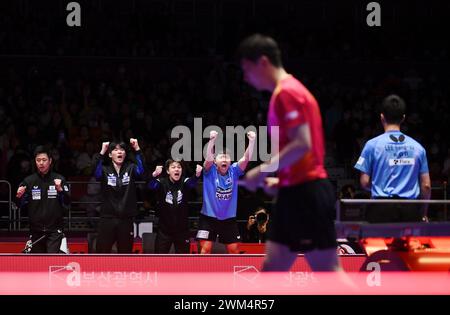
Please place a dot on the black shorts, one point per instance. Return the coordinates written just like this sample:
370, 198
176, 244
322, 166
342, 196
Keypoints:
303, 218
209, 228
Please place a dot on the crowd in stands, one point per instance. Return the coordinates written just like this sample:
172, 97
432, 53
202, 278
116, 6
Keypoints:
74, 110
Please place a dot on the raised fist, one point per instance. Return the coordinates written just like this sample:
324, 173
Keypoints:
21, 191
213, 135
158, 170
105, 146
58, 184
251, 135
134, 144
198, 170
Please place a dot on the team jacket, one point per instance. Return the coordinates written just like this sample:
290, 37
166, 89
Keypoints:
46, 206
172, 208
119, 190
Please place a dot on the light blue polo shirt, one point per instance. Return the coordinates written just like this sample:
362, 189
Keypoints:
220, 193
394, 163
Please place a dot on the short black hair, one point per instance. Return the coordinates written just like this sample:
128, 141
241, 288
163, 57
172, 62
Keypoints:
42, 149
393, 109
170, 161
224, 151
257, 45
113, 145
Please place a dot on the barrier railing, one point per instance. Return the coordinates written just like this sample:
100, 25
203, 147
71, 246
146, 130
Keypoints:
15, 218
389, 201
11, 213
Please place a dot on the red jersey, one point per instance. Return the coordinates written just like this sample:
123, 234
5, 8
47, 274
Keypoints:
292, 105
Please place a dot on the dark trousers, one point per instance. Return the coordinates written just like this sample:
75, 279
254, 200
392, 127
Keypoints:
164, 241
46, 242
112, 230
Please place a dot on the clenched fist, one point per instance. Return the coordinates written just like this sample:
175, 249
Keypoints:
105, 146
213, 135
198, 170
134, 144
251, 135
21, 191
158, 170
58, 184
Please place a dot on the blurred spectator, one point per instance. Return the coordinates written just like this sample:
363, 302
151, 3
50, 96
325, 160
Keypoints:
91, 202
85, 160
446, 168
187, 72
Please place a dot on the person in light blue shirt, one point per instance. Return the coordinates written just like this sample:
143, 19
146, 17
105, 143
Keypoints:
394, 165
219, 200
220, 190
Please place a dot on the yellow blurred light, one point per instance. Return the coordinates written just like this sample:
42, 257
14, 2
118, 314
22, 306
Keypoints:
434, 260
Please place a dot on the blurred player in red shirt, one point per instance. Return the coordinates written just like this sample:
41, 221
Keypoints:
303, 218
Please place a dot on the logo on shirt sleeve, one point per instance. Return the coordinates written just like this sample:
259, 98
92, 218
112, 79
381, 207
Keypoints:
291, 115
360, 161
